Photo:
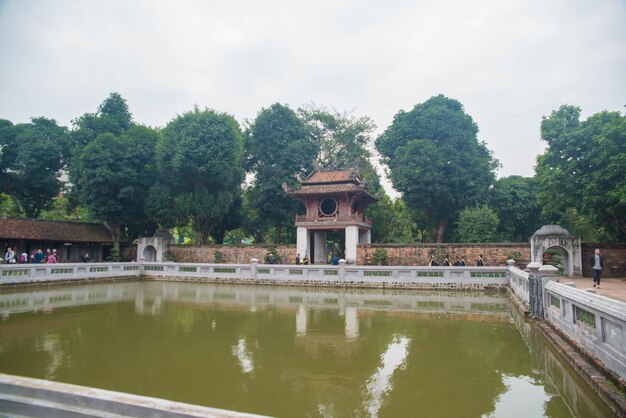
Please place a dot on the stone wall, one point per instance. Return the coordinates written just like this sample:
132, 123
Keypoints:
234, 254
614, 259
418, 254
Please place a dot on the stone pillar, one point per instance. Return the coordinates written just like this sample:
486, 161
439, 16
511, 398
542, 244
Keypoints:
321, 257
301, 321
547, 273
352, 239
352, 323
302, 242
535, 291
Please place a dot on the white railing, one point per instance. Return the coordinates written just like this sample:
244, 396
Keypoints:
518, 281
595, 322
317, 274
34, 273
343, 275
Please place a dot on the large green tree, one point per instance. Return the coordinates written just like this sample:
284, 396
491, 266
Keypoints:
200, 160
8, 153
514, 199
35, 175
582, 171
116, 173
436, 161
278, 147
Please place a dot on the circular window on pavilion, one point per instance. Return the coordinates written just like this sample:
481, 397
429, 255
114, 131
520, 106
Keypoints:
328, 207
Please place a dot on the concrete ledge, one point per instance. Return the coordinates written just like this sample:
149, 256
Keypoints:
610, 388
28, 397
521, 306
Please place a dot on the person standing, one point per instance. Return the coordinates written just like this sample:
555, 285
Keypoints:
446, 261
52, 258
40, 256
597, 264
479, 261
9, 257
432, 262
298, 258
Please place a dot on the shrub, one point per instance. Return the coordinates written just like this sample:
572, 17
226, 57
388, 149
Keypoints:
380, 258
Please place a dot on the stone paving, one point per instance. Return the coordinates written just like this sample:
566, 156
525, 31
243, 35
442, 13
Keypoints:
614, 288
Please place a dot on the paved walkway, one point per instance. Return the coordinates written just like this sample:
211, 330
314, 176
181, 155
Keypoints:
611, 288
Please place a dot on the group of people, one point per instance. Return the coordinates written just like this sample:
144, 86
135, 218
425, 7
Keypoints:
459, 261
304, 260
50, 256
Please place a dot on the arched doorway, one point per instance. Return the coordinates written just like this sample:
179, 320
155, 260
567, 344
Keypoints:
149, 253
558, 257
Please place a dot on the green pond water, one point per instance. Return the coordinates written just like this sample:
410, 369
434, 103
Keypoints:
293, 352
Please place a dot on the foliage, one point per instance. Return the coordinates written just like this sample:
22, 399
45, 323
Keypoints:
514, 255
114, 254
392, 222
200, 161
35, 176
8, 206
342, 138
63, 210
8, 153
277, 257
115, 176
278, 148
380, 258
113, 116
436, 161
514, 199
581, 174
477, 224
219, 257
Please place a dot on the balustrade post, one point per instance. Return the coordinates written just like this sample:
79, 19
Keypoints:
535, 291
254, 262
342, 270
510, 263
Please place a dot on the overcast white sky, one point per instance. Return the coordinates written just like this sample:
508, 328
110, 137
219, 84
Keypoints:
508, 62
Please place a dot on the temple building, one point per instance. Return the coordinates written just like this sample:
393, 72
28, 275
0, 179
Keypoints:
334, 201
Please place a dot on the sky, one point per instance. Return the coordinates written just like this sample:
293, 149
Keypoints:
508, 62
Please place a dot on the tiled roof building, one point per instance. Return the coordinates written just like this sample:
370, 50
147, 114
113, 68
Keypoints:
71, 239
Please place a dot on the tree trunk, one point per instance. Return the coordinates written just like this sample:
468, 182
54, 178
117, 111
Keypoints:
114, 230
202, 236
441, 230
278, 230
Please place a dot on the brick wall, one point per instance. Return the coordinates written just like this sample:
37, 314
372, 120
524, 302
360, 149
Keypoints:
236, 254
418, 254
614, 259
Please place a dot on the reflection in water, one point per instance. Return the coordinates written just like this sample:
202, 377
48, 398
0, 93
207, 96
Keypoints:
513, 403
379, 384
312, 352
243, 356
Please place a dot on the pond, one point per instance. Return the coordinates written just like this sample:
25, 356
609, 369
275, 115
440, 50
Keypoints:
294, 352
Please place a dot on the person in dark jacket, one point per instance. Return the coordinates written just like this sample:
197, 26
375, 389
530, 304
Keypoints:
597, 264
479, 261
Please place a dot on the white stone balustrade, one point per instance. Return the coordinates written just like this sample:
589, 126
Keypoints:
595, 322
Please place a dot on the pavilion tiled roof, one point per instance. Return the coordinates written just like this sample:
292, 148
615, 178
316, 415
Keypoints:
331, 182
331, 176
328, 189
45, 230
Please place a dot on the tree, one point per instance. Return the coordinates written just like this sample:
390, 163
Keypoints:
477, 224
8, 153
113, 116
278, 149
35, 176
437, 162
342, 138
582, 171
514, 199
116, 173
200, 160
392, 222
